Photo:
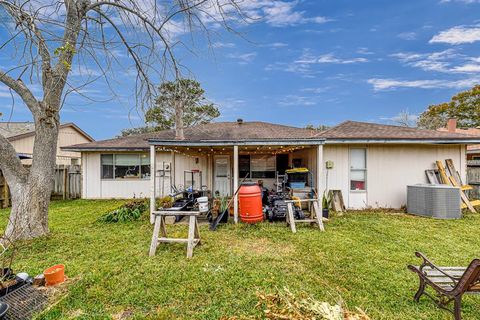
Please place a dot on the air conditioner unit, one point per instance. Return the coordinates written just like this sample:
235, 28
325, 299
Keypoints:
434, 200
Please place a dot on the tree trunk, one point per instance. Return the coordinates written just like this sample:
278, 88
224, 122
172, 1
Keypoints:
179, 121
31, 198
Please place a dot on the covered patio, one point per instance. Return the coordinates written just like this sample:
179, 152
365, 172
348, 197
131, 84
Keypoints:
220, 165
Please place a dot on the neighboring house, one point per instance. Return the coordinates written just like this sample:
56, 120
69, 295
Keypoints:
22, 136
473, 151
372, 163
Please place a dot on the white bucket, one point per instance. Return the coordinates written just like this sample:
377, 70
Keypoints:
202, 204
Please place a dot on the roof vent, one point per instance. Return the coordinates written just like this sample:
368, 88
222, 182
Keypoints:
239, 120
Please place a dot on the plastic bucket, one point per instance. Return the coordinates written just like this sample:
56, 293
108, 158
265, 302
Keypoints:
202, 204
54, 275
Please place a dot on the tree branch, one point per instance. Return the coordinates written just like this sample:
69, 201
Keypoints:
19, 87
10, 164
22, 18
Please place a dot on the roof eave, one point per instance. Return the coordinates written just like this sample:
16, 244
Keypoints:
206, 143
403, 141
93, 149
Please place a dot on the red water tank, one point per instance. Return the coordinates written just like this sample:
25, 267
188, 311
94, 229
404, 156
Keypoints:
250, 198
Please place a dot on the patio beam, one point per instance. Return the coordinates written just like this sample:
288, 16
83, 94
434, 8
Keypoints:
319, 172
153, 165
235, 183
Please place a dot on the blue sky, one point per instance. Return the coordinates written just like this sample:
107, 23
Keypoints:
312, 62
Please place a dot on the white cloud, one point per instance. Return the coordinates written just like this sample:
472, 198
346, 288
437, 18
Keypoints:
464, 1
5, 93
308, 58
364, 50
296, 100
223, 45
390, 84
316, 90
447, 61
274, 45
283, 13
407, 36
243, 58
458, 35
302, 69
277, 13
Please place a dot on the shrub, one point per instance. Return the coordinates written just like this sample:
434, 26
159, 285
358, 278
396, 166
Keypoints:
130, 211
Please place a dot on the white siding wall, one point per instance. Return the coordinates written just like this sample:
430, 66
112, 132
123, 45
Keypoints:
96, 188
336, 178
390, 168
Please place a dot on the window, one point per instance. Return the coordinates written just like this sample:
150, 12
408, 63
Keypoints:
107, 166
262, 166
125, 166
358, 169
244, 165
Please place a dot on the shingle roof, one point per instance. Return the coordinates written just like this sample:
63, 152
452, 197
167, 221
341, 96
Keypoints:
469, 131
263, 131
353, 130
17, 130
12, 129
216, 131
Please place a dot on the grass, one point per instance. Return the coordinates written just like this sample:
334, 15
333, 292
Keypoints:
361, 258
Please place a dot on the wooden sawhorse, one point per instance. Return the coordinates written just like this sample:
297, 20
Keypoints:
316, 215
160, 229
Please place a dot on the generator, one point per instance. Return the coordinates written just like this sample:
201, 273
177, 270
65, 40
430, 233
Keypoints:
277, 208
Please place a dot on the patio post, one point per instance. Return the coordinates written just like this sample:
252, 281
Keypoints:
235, 183
153, 165
319, 170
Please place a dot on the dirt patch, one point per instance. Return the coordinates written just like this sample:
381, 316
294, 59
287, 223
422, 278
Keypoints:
122, 315
260, 247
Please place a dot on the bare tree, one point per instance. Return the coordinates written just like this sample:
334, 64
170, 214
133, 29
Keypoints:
49, 38
405, 119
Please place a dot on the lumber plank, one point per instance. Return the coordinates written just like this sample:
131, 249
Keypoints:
463, 196
443, 173
475, 203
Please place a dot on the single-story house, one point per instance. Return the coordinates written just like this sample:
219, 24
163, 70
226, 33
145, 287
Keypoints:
22, 137
370, 163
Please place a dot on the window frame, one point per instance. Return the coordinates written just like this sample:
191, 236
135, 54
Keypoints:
139, 157
250, 176
350, 170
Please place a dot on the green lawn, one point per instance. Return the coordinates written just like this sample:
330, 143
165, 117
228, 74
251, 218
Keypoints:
361, 258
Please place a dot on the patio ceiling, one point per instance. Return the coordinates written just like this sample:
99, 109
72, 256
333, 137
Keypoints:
227, 150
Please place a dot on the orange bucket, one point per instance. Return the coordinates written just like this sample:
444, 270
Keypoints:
54, 275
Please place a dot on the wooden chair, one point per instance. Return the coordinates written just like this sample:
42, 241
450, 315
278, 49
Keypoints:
449, 283
160, 228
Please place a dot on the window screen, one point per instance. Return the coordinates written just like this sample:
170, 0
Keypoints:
358, 169
125, 166
107, 166
262, 166
145, 165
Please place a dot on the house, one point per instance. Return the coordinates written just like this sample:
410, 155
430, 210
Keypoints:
473, 151
22, 136
370, 163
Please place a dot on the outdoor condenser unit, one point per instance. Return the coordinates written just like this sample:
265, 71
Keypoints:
434, 200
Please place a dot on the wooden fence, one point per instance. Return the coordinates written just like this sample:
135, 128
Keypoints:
473, 178
71, 177
65, 175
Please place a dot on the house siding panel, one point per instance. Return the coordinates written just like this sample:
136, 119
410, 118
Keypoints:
337, 178
391, 168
